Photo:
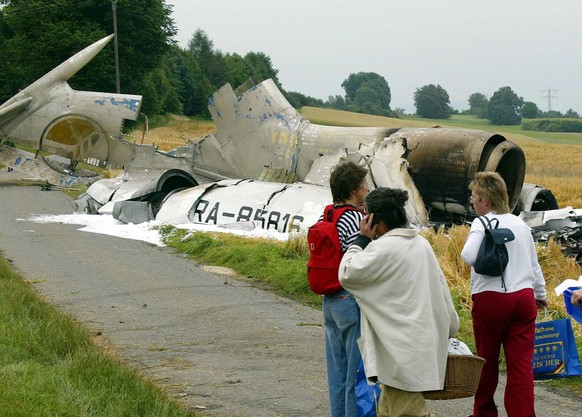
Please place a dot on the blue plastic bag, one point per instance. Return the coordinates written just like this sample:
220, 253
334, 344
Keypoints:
575, 311
367, 396
555, 351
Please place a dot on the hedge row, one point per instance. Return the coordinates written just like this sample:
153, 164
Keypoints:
553, 125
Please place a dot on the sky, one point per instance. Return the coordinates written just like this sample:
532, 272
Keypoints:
532, 46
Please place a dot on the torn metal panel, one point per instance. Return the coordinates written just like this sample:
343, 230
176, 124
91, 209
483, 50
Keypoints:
145, 202
104, 195
42, 167
260, 122
552, 219
388, 168
132, 211
534, 197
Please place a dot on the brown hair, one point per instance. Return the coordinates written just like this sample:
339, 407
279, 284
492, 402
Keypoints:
345, 178
490, 186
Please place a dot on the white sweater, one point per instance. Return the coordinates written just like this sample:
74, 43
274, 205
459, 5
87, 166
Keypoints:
523, 269
407, 314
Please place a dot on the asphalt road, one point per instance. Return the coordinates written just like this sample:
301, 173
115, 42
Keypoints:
218, 345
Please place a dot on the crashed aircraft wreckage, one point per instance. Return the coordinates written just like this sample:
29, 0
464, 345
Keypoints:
269, 167
266, 166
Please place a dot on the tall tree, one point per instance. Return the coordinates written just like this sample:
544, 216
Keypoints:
193, 87
530, 110
32, 46
336, 102
368, 101
478, 105
367, 92
261, 67
432, 101
210, 61
572, 114
505, 107
237, 69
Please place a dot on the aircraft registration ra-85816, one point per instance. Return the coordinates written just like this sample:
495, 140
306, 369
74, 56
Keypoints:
266, 166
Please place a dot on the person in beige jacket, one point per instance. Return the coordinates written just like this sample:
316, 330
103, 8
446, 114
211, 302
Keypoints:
407, 313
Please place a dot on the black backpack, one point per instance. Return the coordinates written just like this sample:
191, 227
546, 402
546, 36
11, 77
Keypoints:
492, 258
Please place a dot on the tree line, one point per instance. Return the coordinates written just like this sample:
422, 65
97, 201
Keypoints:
36, 36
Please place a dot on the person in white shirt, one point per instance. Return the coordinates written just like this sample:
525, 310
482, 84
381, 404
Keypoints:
504, 307
407, 313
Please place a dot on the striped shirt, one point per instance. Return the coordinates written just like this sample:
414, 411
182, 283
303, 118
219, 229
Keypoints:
348, 227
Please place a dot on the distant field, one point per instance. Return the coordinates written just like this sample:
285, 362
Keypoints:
553, 160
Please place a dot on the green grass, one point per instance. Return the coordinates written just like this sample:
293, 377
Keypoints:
49, 365
277, 266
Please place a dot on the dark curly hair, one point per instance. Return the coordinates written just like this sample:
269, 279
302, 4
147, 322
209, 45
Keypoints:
387, 204
345, 178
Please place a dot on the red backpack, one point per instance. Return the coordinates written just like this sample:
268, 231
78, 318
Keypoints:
325, 252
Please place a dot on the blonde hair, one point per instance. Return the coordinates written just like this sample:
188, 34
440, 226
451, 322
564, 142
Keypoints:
489, 185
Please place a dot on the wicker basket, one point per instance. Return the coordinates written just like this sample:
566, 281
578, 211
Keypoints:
461, 378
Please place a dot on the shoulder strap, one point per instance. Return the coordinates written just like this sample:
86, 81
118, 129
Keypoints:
496, 220
489, 224
328, 213
483, 223
332, 214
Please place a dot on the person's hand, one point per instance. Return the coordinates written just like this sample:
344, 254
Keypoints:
366, 227
576, 297
542, 304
